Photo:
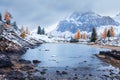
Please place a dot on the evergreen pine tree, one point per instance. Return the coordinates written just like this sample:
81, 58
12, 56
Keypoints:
0, 17
14, 23
39, 30
93, 35
108, 34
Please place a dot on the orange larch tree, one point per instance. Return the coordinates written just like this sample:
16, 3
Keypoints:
77, 35
27, 31
7, 16
84, 36
112, 33
22, 29
22, 32
105, 33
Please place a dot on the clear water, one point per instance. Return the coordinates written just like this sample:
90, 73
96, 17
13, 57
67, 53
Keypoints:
62, 55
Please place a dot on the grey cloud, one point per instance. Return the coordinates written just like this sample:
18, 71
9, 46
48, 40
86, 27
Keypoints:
47, 12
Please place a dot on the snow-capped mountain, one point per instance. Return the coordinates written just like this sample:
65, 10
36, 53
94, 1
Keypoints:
85, 22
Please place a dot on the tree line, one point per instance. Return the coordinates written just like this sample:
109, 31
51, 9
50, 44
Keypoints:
106, 33
7, 23
24, 32
40, 31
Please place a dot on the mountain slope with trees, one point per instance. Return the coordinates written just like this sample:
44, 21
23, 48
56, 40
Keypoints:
13, 36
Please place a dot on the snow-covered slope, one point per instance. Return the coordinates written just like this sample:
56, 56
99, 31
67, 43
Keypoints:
12, 34
38, 37
61, 34
51, 28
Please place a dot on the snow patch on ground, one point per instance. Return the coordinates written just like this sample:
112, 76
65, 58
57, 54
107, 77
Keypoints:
51, 28
41, 37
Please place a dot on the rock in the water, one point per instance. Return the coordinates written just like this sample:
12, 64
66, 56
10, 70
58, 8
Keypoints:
43, 72
36, 61
22, 61
64, 72
58, 72
5, 61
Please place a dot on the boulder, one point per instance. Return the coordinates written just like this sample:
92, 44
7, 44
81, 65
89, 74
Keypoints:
36, 61
64, 72
5, 61
22, 61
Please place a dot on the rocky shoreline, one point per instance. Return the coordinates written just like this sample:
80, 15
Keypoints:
12, 67
110, 57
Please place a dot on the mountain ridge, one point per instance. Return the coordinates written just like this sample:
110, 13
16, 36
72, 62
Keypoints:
85, 21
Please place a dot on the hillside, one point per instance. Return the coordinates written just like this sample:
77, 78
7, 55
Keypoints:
10, 38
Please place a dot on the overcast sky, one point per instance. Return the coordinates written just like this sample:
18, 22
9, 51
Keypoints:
48, 12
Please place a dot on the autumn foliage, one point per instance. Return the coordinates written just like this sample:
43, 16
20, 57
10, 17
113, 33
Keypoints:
22, 32
105, 33
108, 33
22, 29
84, 36
7, 16
112, 33
77, 34
23, 35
